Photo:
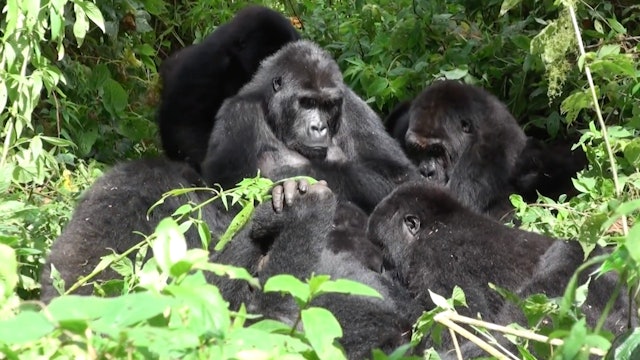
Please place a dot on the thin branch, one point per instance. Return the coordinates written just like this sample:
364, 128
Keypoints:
603, 127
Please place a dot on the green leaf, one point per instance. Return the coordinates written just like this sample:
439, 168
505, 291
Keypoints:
289, 284
8, 271
508, 5
114, 97
25, 327
377, 86
632, 153
439, 301
170, 246
321, 328
81, 25
616, 26
345, 286
232, 272
633, 243
236, 224
93, 13
630, 348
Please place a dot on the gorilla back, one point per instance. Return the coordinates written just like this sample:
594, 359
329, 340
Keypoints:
112, 209
198, 78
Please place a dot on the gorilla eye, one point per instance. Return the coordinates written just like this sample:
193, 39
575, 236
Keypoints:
277, 83
412, 223
466, 126
308, 103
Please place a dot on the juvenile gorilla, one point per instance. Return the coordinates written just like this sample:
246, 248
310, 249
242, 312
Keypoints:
431, 242
113, 208
197, 79
297, 117
463, 137
300, 238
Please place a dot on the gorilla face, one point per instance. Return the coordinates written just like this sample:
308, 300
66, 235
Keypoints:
305, 105
412, 213
438, 134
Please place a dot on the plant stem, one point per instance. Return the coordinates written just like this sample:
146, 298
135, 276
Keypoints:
603, 127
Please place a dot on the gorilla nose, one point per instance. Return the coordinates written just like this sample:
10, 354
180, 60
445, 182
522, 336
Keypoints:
318, 130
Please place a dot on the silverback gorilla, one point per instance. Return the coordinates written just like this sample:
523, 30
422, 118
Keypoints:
432, 242
463, 137
198, 78
297, 117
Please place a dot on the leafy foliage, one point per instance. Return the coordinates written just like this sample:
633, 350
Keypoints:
78, 85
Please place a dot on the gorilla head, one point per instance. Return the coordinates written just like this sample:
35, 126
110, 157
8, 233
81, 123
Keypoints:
431, 242
449, 118
297, 117
303, 98
464, 138
198, 78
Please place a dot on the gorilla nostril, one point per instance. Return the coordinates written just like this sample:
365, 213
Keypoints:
318, 130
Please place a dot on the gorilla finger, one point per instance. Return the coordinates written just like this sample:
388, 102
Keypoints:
323, 183
290, 190
277, 198
303, 185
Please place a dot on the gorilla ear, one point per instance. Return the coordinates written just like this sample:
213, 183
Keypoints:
277, 83
412, 223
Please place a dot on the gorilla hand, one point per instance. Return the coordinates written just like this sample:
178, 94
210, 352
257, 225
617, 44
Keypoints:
284, 193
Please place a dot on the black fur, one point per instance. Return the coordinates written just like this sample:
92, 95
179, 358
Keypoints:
463, 137
270, 126
113, 208
301, 246
198, 78
451, 245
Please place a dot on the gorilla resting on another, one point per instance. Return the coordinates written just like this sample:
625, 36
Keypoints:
297, 117
432, 242
301, 242
197, 79
463, 137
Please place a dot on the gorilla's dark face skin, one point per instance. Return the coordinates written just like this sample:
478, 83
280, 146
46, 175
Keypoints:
442, 126
464, 138
310, 117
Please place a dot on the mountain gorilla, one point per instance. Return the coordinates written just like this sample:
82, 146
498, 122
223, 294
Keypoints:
115, 206
198, 78
463, 137
297, 117
300, 241
432, 242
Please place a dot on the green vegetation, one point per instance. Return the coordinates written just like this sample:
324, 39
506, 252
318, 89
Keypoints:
78, 87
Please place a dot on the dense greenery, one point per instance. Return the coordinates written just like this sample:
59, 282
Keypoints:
78, 88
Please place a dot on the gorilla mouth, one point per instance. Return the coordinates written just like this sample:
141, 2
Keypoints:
313, 152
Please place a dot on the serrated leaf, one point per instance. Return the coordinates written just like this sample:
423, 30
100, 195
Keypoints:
232, 272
